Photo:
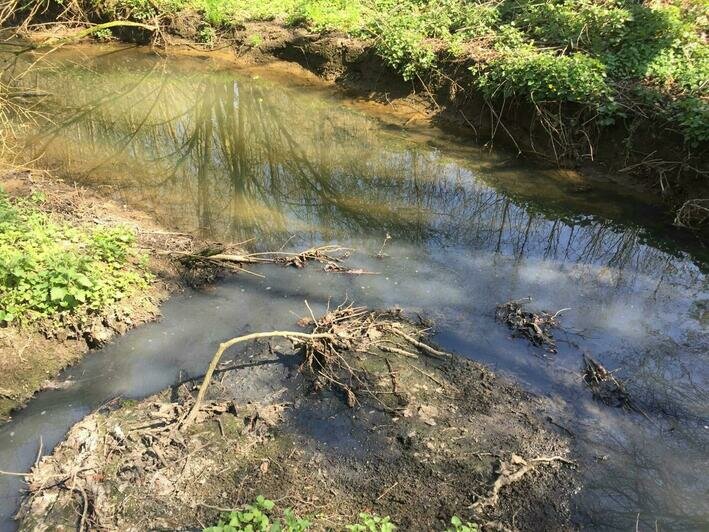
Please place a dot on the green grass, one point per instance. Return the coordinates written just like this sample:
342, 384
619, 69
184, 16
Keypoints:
51, 270
616, 58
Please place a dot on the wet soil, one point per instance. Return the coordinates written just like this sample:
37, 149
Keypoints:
435, 438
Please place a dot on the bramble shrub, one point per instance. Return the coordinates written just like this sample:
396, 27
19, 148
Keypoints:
49, 269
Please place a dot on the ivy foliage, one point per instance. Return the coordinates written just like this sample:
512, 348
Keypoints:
50, 269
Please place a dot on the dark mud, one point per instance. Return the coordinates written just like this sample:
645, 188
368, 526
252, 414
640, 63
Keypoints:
432, 441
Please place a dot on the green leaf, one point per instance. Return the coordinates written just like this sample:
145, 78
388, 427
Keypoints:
57, 293
84, 281
267, 504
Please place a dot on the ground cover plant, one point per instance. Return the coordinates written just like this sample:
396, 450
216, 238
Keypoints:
50, 270
259, 517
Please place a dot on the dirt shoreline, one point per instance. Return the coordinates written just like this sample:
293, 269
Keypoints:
427, 438
31, 357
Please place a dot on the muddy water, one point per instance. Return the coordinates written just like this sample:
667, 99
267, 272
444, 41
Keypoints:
236, 154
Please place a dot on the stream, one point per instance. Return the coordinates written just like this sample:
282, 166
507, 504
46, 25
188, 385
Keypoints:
266, 153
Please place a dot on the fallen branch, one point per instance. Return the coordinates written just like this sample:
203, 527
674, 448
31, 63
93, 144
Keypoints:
536, 327
430, 350
55, 42
604, 386
339, 331
220, 352
330, 256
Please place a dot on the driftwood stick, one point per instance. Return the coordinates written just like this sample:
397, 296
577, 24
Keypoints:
397, 351
226, 345
430, 350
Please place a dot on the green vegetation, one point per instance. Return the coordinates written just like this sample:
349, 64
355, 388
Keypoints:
615, 58
371, 523
457, 525
51, 270
257, 517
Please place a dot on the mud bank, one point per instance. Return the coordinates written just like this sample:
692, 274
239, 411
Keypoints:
31, 356
426, 438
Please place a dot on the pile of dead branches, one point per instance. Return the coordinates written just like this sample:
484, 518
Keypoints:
604, 386
536, 327
234, 258
335, 337
693, 213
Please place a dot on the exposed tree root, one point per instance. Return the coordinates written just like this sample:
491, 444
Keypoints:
509, 473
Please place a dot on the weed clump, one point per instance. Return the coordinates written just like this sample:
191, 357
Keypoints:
53, 271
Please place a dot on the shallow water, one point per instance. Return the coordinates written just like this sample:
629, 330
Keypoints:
236, 154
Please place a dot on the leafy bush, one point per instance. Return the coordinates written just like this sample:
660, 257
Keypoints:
402, 41
342, 15
543, 75
585, 24
692, 113
48, 269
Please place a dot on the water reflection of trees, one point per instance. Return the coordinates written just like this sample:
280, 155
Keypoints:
641, 473
240, 158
